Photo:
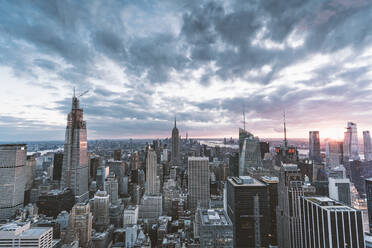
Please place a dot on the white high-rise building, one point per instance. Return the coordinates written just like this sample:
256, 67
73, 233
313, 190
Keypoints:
75, 156
164, 155
351, 149
12, 178
198, 181
328, 223
22, 235
152, 180
151, 206
334, 151
112, 188
339, 190
130, 216
101, 205
367, 146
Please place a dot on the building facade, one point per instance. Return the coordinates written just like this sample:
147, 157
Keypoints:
198, 182
175, 154
327, 223
80, 225
248, 209
101, 205
12, 178
75, 157
334, 153
314, 146
369, 202
152, 179
339, 190
272, 184
214, 228
112, 188
22, 235
130, 216
351, 150
291, 187
367, 146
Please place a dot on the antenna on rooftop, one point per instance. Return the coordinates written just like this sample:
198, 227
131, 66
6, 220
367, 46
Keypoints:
244, 117
285, 131
82, 94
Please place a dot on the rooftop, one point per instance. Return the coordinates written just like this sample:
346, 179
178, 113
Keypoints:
35, 231
198, 159
245, 181
290, 167
13, 145
268, 179
214, 217
328, 203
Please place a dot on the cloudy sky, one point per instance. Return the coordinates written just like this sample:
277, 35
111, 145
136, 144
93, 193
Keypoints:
204, 61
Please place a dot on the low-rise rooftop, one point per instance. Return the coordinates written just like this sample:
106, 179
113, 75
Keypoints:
214, 217
245, 181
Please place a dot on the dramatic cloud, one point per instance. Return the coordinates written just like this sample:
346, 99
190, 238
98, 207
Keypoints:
145, 62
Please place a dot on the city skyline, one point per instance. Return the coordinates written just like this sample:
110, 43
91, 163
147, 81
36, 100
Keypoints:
145, 62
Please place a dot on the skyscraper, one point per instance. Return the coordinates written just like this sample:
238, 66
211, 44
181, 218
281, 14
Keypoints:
314, 146
369, 201
175, 155
75, 156
291, 187
248, 209
112, 188
272, 185
367, 146
250, 155
198, 182
101, 203
334, 153
339, 190
80, 225
327, 223
351, 150
57, 166
117, 155
12, 178
152, 180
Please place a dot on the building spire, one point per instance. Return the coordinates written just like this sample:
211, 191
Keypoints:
244, 120
285, 131
175, 122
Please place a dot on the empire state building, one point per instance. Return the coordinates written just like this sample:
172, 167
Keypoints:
75, 156
175, 155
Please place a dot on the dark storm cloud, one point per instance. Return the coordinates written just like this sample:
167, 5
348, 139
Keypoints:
71, 38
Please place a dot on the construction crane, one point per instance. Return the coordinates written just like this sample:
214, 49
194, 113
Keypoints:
82, 94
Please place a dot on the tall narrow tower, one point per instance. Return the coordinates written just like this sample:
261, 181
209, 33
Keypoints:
351, 142
314, 146
75, 156
367, 146
152, 180
175, 155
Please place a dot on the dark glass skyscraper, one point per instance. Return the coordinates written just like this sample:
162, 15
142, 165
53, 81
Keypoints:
248, 209
175, 158
291, 187
369, 201
314, 146
75, 156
